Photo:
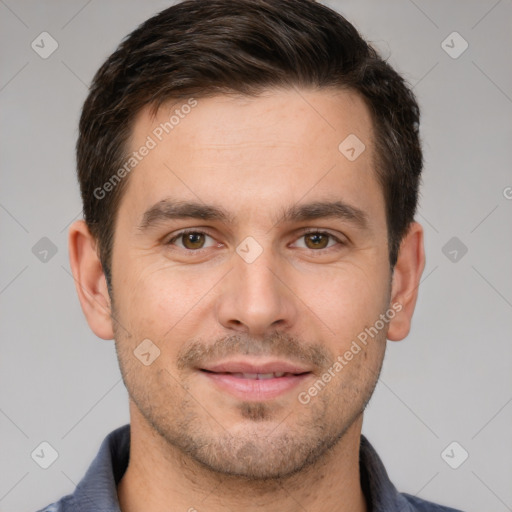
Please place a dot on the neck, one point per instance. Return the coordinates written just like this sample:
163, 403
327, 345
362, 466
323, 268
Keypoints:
160, 476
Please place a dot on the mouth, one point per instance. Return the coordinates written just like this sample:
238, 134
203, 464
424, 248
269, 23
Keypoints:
255, 380
257, 376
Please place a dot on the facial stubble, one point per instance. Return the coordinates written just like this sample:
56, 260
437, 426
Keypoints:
269, 442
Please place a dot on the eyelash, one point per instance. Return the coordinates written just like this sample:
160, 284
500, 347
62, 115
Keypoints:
304, 232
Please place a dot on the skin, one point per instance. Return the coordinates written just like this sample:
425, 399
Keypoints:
303, 299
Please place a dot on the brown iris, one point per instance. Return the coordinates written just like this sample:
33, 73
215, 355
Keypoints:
319, 240
193, 240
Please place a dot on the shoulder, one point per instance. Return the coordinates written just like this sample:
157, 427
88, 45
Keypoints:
65, 504
101, 477
419, 505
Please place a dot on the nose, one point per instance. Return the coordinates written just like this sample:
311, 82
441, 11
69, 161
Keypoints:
257, 298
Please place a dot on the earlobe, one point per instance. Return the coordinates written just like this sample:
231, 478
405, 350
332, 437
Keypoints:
90, 281
406, 280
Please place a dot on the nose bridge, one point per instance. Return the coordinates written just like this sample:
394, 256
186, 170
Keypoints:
253, 299
256, 278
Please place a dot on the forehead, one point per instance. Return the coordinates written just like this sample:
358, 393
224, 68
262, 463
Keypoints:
278, 146
294, 116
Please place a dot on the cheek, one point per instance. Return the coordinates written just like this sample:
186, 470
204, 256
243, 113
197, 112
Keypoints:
346, 301
160, 301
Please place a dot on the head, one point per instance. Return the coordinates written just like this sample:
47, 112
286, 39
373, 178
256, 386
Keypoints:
253, 125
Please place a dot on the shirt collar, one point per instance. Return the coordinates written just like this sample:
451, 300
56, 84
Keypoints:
380, 493
98, 488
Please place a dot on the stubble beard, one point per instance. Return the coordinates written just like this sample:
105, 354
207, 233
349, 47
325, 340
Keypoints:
269, 443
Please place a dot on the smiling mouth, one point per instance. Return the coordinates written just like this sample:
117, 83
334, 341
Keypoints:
252, 382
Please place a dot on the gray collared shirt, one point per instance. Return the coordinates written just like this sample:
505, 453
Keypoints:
97, 491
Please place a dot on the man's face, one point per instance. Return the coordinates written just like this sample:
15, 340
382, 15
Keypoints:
252, 293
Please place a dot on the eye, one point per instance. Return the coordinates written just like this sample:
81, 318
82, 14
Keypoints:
191, 240
316, 240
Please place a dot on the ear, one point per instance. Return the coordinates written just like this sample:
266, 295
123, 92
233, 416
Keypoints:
406, 280
90, 281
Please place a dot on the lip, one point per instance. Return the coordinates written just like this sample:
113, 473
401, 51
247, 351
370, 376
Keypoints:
260, 366
226, 376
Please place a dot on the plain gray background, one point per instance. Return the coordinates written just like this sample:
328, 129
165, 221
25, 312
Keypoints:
450, 380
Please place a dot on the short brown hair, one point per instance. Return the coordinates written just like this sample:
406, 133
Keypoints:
202, 48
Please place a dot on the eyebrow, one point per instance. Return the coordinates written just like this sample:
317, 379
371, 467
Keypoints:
167, 209
323, 210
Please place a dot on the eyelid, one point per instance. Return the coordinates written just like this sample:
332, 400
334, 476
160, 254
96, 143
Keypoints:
322, 231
